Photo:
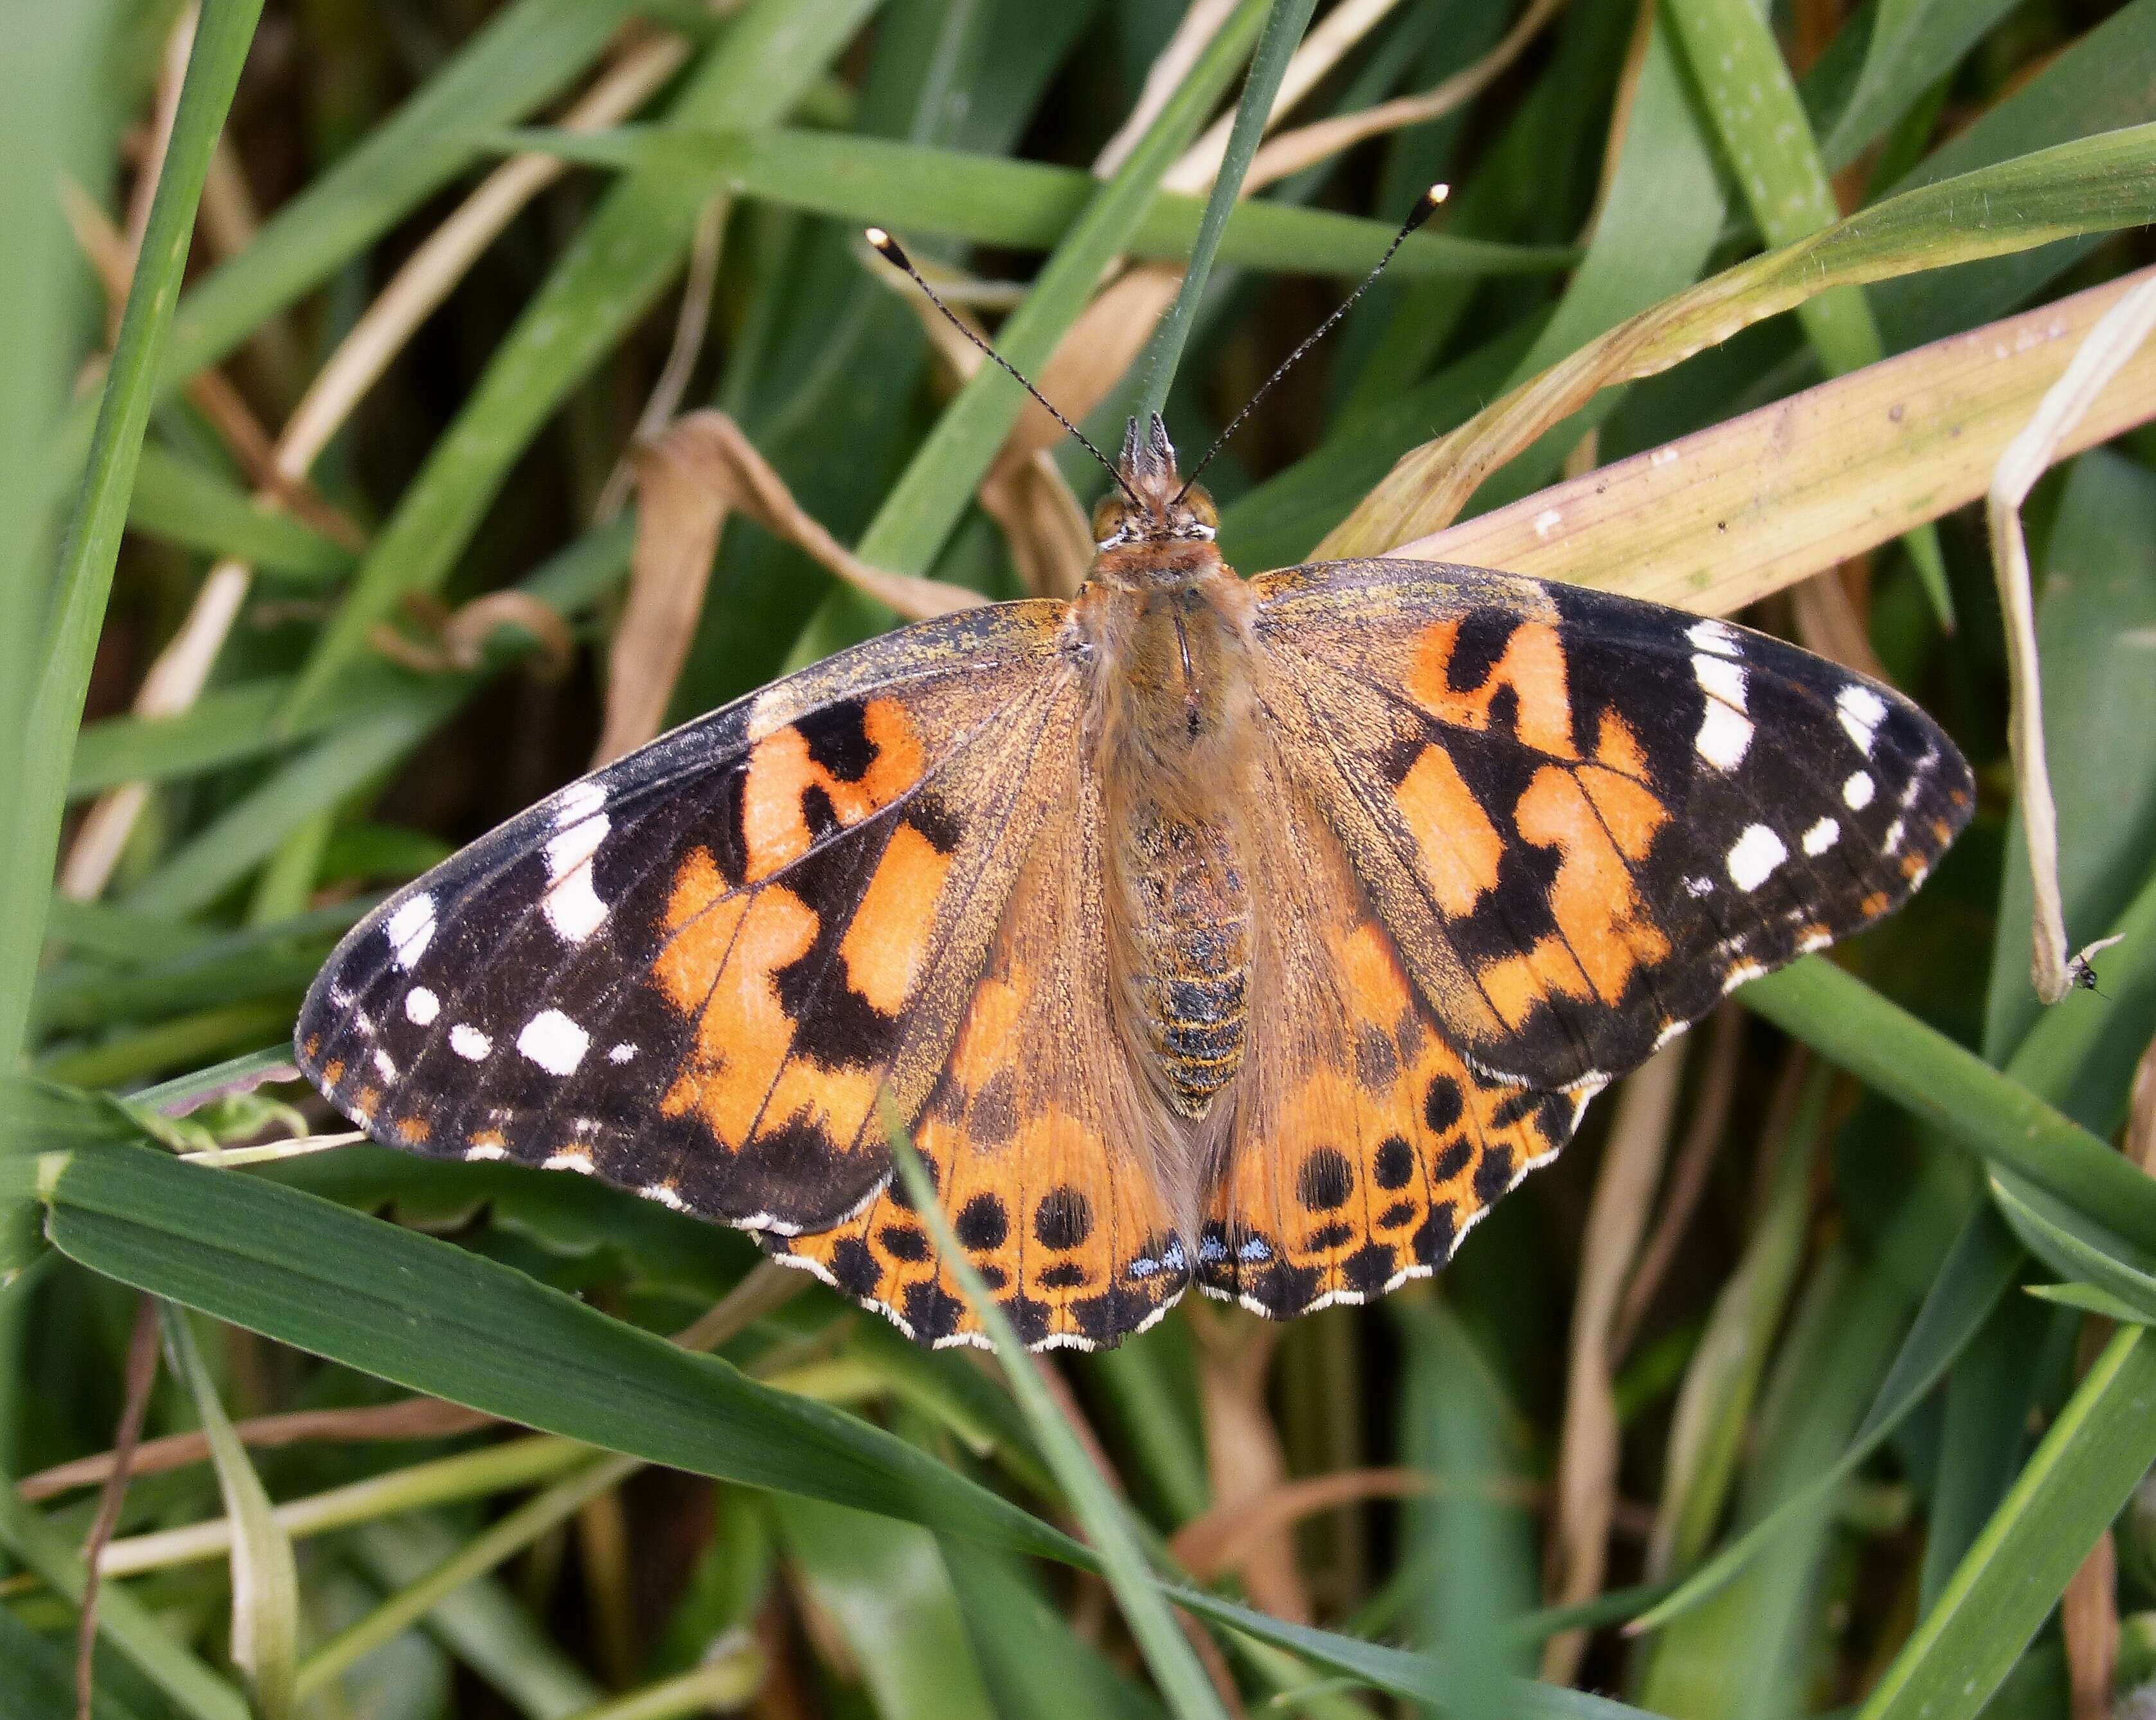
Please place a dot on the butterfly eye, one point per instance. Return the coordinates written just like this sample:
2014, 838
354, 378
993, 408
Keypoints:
1108, 515
1202, 510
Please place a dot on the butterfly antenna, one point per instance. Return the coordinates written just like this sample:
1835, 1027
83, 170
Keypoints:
1425, 207
888, 248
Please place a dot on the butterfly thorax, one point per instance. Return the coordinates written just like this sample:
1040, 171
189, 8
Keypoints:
1170, 626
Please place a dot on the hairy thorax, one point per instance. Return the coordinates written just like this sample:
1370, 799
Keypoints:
1173, 735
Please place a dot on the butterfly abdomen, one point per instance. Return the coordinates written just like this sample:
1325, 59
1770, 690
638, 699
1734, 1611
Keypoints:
1189, 915
1175, 753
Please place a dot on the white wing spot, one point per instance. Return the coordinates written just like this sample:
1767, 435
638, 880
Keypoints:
1699, 887
666, 1195
409, 930
469, 1043
1822, 836
570, 1158
573, 907
578, 802
623, 1053
421, 1006
1813, 942
385, 1066
1862, 710
1713, 636
1892, 842
554, 1042
1744, 973
487, 1151
1725, 736
1754, 856
1857, 792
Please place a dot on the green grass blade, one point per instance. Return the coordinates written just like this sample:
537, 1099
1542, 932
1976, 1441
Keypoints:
435, 1319
884, 1589
179, 502
1914, 45
123, 1622
32, 834
2103, 82
54, 54
1284, 31
2072, 1243
2089, 1461
1182, 1681
620, 263
1028, 206
475, 1557
265, 1578
1926, 1073
41, 1676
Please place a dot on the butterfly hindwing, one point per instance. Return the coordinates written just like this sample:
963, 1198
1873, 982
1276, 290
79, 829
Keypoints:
1363, 1145
691, 972
1581, 819
1045, 1147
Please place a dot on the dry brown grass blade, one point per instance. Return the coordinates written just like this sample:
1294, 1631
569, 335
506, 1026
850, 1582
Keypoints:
1330, 40
688, 481
1714, 1089
1200, 22
2088, 1620
141, 1374
1588, 1446
1306, 145
1218, 1541
1428, 487
2109, 346
412, 1419
1828, 621
1722, 518
1243, 1453
2140, 1143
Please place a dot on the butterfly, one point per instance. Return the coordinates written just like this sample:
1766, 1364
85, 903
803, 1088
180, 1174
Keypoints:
1256, 934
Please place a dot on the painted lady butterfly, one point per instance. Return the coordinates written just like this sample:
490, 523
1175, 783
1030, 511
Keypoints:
1260, 934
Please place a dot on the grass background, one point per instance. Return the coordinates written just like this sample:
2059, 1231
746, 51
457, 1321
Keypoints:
1814, 1379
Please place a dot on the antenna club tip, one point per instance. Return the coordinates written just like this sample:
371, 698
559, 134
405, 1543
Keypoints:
1427, 204
884, 243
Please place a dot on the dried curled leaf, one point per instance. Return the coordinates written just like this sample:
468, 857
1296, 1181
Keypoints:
688, 480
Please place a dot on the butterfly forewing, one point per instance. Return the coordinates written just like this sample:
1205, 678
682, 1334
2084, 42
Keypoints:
1583, 818
691, 972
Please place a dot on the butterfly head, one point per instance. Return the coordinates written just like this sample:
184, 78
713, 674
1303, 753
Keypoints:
1152, 523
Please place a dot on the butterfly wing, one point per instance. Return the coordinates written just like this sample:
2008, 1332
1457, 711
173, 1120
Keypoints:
1581, 819
1362, 1144
691, 972
1054, 1163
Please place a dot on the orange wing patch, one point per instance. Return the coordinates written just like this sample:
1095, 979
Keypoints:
788, 785
1530, 669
